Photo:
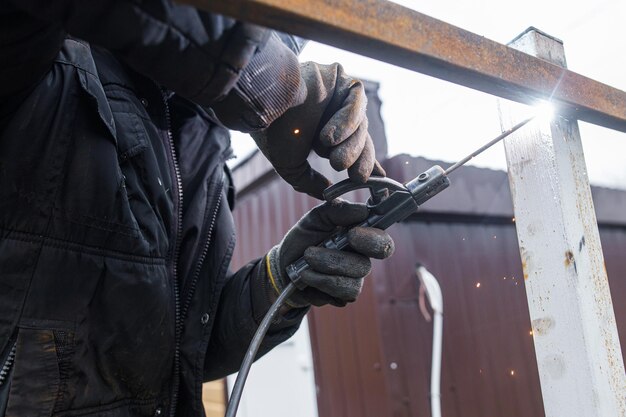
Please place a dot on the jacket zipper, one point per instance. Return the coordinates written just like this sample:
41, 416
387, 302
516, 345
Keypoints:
175, 254
203, 254
8, 363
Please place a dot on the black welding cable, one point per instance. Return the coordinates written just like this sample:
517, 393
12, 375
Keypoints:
240, 382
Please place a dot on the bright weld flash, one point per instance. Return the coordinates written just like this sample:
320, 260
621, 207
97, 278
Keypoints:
543, 111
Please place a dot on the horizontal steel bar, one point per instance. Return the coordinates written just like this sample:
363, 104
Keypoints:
389, 32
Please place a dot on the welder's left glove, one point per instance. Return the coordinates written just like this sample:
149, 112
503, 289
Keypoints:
334, 277
327, 116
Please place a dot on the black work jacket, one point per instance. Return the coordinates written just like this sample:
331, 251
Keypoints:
115, 225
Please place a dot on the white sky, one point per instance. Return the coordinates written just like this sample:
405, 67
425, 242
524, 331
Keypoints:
439, 120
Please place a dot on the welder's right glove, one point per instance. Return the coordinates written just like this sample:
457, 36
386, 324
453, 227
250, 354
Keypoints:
334, 277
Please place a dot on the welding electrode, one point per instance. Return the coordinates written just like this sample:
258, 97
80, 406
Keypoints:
487, 145
390, 203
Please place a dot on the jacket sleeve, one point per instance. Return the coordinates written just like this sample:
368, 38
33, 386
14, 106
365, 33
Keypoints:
242, 70
242, 306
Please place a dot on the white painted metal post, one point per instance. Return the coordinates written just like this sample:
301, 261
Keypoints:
576, 342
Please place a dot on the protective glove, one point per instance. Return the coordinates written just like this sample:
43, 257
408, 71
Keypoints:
328, 116
334, 277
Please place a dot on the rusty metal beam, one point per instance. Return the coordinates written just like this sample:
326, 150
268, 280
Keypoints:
397, 35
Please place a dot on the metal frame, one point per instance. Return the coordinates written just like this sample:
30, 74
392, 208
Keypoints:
400, 36
578, 351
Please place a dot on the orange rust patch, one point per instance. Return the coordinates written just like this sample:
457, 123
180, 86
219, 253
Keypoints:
524, 270
569, 258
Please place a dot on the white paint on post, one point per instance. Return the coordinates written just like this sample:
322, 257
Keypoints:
576, 342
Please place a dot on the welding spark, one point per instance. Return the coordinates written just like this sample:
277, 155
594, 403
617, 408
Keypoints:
544, 111
296, 131
512, 373
478, 285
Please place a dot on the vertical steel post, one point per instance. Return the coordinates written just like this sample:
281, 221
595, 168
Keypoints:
576, 342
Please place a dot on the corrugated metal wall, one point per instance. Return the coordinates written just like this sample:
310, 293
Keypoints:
372, 358
488, 357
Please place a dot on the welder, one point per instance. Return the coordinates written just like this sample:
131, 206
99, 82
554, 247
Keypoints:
116, 297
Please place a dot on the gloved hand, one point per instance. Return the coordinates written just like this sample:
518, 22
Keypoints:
328, 116
334, 277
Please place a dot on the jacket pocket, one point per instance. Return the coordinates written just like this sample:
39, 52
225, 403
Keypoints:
134, 139
142, 160
35, 381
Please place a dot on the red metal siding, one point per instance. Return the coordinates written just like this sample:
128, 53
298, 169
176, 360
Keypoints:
349, 371
614, 248
486, 328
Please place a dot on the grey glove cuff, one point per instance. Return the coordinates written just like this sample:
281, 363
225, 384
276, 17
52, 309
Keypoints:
267, 87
